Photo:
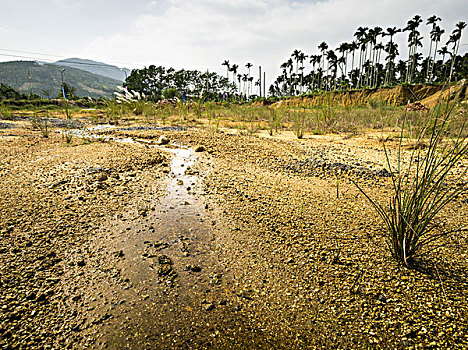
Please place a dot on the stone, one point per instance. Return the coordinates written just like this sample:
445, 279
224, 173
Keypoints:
209, 307
163, 140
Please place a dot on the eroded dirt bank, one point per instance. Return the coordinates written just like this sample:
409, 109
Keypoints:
257, 245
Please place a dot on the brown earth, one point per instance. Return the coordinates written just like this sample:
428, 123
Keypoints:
429, 95
272, 246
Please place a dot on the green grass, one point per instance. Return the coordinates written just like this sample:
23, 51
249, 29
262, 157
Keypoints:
422, 190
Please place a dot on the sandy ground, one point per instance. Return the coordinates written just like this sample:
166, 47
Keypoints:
255, 242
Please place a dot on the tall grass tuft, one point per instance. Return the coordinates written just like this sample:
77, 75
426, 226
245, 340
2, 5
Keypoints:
41, 123
300, 121
420, 192
274, 121
5, 112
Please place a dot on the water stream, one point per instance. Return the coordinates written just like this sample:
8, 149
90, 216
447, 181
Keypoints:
170, 280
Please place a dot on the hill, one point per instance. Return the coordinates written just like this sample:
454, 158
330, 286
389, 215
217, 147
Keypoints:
95, 67
45, 79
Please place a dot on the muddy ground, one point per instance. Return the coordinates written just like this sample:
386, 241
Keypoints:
251, 242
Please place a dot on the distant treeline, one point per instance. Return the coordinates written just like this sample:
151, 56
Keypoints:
155, 83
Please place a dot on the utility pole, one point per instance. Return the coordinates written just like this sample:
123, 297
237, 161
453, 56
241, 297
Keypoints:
63, 85
260, 75
30, 83
264, 85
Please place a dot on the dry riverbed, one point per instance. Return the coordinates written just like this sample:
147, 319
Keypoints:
253, 242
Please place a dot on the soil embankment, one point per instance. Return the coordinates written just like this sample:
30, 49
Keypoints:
400, 95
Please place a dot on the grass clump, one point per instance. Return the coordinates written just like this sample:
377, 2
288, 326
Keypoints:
421, 191
300, 120
5, 112
39, 122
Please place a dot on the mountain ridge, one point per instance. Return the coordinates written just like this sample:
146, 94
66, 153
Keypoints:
95, 67
46, 79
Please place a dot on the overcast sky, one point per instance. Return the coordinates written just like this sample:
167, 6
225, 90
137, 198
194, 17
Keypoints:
201, 34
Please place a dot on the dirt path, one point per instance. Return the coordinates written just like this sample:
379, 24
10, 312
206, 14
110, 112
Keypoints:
165, 284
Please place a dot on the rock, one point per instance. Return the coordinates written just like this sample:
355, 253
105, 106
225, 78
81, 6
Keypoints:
165, 270
118, 254
41, 298
209, 307
180, 182
163, 140
102, 177
199, 148
193, 268
164, 260
382, 298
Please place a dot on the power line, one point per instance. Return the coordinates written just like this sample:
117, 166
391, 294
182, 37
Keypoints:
58, 56
34, 53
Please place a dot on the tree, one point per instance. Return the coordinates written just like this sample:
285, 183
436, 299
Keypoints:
233, 69
436, 35
152, 82
322, 47
248, 66
353, 46
343, 49
226, 63
431, 21
414, 40
391, 50
301, 58
455, 40
362, 38
7, 92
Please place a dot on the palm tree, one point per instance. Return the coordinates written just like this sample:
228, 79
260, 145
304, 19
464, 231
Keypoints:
362, 37
392, 52
414, 40
314, 59
344, 49
245, 78
322, 47
431, 21
443, 51
401, 68
250, 85
301, 58
353, 46
296, 53
226, 63
233, 69
436, 34
455, 40
373, 35
248, 66
289, 65
333, 65
378, 48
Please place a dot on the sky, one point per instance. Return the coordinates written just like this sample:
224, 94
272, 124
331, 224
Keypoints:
201, 34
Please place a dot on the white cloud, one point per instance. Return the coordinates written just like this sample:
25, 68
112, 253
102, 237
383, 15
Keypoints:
200, 34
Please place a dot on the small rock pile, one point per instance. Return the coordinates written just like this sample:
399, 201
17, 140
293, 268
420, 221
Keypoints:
416, 106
